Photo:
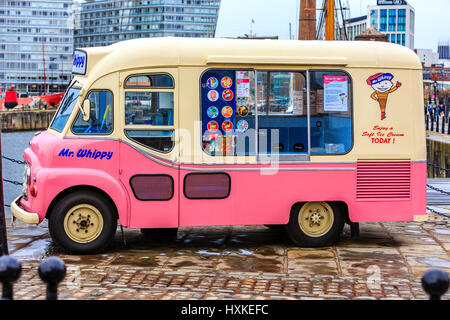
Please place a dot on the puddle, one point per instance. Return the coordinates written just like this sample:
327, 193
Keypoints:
413, 231
251, 264
208, 253
36, 250
434, 262
136, 259
389, 243
427, 239
441, 231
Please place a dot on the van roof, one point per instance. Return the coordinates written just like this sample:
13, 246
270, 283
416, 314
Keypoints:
169, 51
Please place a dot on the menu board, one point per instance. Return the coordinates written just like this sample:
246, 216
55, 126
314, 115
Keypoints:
218, 92
335, 93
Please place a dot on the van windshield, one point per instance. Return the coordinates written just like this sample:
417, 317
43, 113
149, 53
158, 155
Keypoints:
65, 109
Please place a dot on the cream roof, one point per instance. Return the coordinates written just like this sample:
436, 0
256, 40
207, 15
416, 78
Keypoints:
168, 51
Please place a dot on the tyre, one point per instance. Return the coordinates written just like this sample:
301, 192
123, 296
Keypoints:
83, 222
160, 234
315, 224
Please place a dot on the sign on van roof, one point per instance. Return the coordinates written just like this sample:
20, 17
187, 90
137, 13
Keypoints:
79, 62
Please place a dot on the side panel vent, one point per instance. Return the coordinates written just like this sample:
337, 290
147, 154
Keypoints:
383, 180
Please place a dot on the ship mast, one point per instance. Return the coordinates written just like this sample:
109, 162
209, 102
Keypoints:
43, 60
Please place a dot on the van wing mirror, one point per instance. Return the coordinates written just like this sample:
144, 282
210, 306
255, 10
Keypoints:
86, 110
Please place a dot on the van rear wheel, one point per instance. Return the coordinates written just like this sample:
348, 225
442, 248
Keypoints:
82, 222
315, 224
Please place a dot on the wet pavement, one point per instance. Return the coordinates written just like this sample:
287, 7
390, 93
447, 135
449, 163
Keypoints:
243, 262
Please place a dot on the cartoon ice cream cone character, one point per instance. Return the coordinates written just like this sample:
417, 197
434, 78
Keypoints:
383, 86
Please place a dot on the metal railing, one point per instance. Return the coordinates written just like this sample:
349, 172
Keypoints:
52, 271
437, 121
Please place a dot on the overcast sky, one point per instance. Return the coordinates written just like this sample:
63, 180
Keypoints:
273, 18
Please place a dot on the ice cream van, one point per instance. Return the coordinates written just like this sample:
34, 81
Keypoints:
163, 133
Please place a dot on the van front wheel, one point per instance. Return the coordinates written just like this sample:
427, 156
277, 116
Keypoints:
315, 224
82, 222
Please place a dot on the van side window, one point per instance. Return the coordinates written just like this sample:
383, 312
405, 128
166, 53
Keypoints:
282, 112
149, 81
331, 112
101, 116
266, 113
149, 108
228, 112
149, 111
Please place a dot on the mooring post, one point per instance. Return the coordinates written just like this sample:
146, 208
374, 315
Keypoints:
10, 270
3, 234
52, 271
435, 282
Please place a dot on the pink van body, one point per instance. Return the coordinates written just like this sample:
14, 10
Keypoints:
254, 198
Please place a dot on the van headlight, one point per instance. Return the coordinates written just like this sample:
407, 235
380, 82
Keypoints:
26, 180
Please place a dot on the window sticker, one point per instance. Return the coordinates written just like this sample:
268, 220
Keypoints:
213, 126
213, 95
228, 95
382, 85
227, 111
227, 126
218, 111
335, 93
241, 126
212, 83
243, 111
226, 82
212, 112
243, 87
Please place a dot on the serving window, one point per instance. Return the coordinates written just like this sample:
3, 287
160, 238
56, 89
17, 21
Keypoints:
248, 112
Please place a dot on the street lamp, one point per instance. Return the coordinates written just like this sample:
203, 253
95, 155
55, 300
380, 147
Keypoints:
434, 87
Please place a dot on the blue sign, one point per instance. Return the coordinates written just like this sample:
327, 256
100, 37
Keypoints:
79, 62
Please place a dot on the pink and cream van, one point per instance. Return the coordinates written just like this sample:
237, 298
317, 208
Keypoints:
166, 133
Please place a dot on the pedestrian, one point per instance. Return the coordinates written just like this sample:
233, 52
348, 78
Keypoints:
10, 98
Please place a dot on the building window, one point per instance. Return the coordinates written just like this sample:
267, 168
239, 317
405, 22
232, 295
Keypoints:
401, 20
392, 20
383, 20
101, 116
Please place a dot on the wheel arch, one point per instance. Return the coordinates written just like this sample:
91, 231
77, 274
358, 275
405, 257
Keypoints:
342, 205
77, 188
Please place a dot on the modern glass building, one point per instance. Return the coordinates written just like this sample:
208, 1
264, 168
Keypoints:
103, 22
396, 19
36, 45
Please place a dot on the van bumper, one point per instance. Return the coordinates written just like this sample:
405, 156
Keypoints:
21, 214
421, 218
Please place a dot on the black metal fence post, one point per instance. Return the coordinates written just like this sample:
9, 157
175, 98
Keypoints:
52, 270
10, 270
437, 122
435, 282
3, 234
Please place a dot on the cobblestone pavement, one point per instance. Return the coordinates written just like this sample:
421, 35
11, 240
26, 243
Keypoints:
244, 262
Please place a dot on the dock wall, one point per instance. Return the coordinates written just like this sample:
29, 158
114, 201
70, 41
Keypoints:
21, 120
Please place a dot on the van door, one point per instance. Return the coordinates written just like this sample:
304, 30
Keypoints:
148, 152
